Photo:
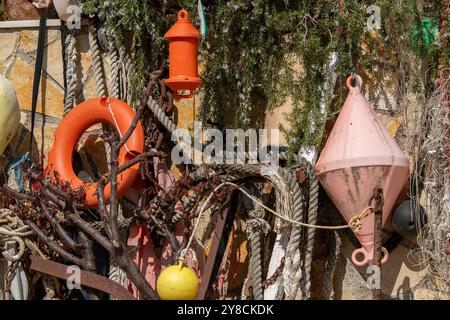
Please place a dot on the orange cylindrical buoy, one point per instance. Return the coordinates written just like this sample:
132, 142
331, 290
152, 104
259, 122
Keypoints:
183, 57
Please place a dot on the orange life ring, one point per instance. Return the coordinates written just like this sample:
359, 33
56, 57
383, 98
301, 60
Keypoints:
75, 123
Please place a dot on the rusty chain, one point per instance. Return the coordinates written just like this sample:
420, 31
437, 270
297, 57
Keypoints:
270, 281
9, 278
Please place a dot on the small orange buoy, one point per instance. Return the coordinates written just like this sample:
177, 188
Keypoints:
75, 123
183, 56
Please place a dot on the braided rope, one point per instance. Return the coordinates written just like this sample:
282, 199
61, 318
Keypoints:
116, 274
114, 72
313, 208
256, 226
161, 115
292, 271
97, 62
289, 203
330, 266
71, 71
126, 71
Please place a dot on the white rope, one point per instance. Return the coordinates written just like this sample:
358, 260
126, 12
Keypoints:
13, 229
117, 127
355, 222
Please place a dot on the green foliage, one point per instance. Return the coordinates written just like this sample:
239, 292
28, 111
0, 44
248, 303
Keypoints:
253, 47
253, 50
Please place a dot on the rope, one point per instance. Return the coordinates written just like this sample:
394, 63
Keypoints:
117, 127
71, 72
256, 226
359, 217
313, 208
128, 67
290, 209
115, 272
330, 266
356, 226
124, 69
13, 229
97, 62
161, 116
292, 271
239, 171
114, 73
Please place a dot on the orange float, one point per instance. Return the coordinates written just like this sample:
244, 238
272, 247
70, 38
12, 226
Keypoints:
75, 123
183, 56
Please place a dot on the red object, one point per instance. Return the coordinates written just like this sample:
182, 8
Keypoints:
183, 56
359, 157
91, 112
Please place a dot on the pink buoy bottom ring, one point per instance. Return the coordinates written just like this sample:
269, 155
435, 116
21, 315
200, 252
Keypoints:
368, 256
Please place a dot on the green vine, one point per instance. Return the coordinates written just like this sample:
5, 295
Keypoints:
254, 46
259, 53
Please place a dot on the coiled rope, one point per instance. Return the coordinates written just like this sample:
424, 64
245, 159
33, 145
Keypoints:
13, 229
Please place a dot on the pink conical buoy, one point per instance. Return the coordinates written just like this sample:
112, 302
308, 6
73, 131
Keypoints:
360, 156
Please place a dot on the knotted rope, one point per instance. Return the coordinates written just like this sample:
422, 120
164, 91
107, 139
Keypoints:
13, 229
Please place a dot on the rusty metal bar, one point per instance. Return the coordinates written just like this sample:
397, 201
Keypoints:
220, 232
378, 242
87, 279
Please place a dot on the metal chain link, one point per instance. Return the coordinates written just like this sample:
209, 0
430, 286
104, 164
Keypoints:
9, 278
278, 271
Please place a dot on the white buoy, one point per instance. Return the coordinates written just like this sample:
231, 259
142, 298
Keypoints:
9, 113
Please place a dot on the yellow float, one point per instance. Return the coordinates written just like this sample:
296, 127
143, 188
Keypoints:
177, 282
9, 113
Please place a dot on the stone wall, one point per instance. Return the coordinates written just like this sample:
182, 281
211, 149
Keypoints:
17, 60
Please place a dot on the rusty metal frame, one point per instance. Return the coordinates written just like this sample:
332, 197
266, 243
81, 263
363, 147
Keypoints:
87, 278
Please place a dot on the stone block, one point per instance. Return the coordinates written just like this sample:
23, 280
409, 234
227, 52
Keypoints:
21, 76
54, 63
29, 38
8, 44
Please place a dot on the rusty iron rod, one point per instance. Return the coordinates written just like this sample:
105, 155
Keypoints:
87, 278
378, 226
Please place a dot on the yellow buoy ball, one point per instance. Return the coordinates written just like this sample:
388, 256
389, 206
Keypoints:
177, 282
